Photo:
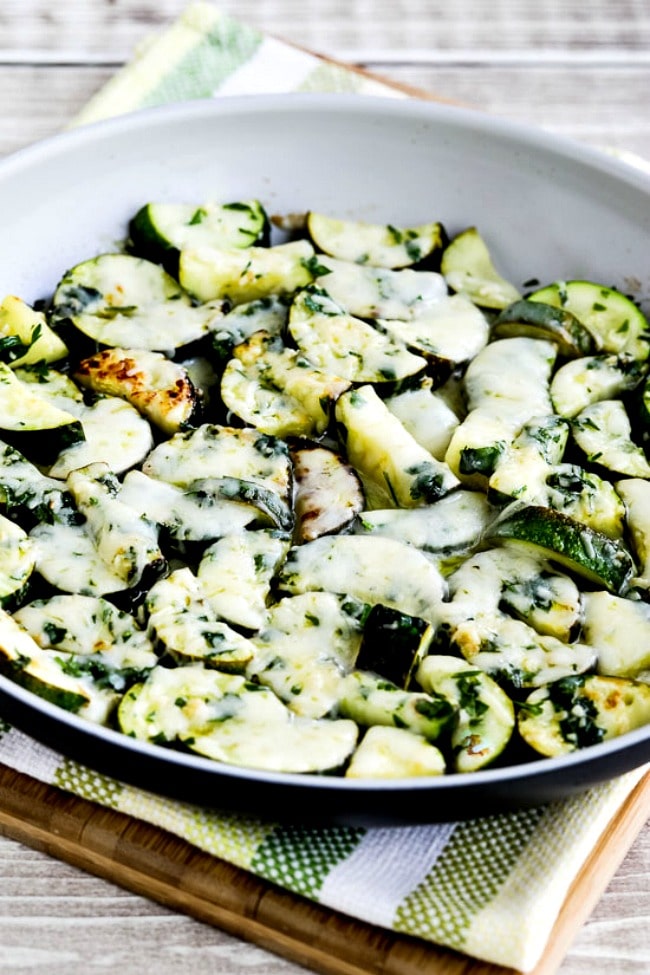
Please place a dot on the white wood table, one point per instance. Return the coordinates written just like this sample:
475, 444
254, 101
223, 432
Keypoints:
582, 69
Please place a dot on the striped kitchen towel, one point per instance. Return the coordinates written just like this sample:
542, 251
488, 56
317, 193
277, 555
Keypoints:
492, 887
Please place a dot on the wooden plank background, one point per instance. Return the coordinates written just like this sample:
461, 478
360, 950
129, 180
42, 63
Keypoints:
574, 67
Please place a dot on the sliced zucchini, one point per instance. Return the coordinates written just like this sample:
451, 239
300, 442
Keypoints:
127, 302
347, 346
551, 534
393, 753
393, 644
374, 570
581, 382
309, 643
238, 276
27, 494
617, 324
160, 231
604, 432
538, 320
182, 623
426, 416
581, 711
187, 514
269, 314
17, 560
452, 525
115, 434
236, 573
372, 700
386, 455
328, 492
277, 390
519, 582
93, 637
213, 451
619, 629
507, 384
587, 498
513, 652
377, 292
159, 389
67, 558
126, 541
31, 423
448, 332
635, 494
49, 674
525, 464
25, 337
485, 716
468, 268
226, 718
380, 245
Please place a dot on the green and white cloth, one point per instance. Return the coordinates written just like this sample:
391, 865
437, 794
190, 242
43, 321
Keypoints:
492, 887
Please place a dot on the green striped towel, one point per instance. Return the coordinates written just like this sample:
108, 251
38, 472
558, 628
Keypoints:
491, 888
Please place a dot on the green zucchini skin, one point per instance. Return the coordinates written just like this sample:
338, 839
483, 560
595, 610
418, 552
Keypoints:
393, 644
536, 319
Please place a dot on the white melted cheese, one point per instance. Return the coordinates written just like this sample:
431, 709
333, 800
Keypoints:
426, 416
604, 432
66, 557
452, 328
115, 434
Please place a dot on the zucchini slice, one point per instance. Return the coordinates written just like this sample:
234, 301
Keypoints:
635, 494
507, 384
160, 231
160, 390
386, 455
393, 644
309, 643
377, 292
182, 623
448, 332
580, 711
452, 525
484, 714
604, 432
380, 245
32, 424
587, 498
125, 540
328, 493
553, 535
238, 276
213, 451
93, 637
393, 753
28, 495
514, 653
269, 314
126, 302
581, 382
619, 629
468, 268
374, 570
25, 337
617, 324
67, 558
523, 468
236, 573
372, 700
115, 434
277, 390
538, 320
52, 675
426, 415
226, 718
17, 560
189, 514
346, 346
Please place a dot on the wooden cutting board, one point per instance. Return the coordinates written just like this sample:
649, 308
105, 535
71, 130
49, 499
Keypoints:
158, 865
